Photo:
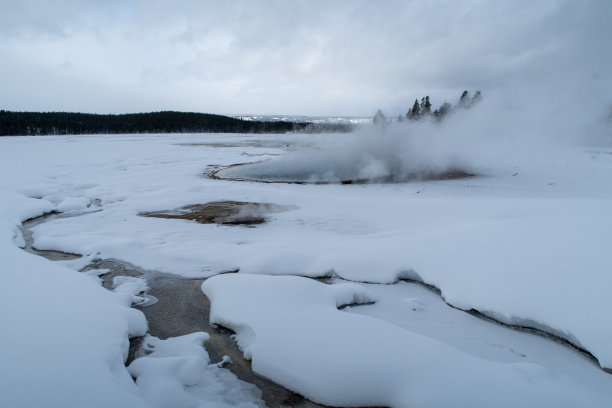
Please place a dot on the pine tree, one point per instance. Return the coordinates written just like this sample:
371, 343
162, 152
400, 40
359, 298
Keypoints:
379, 118
442, 111
464, 101
445, 108
476, 98
425, 106
415, 112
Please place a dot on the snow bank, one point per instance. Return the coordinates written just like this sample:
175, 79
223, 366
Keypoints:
73, 204
292, 330
419, 309
64, 338
177, 373
547, 270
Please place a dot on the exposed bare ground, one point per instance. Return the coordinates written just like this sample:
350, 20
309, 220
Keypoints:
220, 212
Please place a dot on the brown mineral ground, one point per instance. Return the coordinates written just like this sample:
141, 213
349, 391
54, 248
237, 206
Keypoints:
220, 212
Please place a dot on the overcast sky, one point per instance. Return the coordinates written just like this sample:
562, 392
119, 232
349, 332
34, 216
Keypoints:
292, 57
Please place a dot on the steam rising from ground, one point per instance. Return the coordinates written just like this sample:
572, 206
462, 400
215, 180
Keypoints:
555, 91
489, 137
395, 153
557, 95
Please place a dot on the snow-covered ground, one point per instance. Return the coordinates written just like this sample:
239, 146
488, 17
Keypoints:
526, 242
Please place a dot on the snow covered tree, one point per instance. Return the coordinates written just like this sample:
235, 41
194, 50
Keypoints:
476, 98
442, 111
464, 101
425, 106
379, 118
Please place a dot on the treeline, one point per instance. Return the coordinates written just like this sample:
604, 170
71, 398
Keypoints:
422, 110
63, 123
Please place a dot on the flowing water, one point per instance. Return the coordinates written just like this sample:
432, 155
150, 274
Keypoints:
179, 307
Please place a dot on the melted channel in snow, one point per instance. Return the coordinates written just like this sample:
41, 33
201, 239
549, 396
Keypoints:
64, 338
295, 335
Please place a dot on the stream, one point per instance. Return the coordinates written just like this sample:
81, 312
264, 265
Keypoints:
181, 308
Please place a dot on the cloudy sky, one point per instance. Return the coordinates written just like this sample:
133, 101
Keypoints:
292, 56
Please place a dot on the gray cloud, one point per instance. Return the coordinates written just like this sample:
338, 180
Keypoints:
308, 57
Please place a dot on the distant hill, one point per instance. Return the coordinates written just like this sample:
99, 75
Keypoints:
64, 123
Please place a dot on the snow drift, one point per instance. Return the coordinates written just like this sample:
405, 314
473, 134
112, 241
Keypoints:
292, 330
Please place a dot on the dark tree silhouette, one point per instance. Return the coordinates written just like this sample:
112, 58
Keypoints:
476, 98
425, 106
62, 123
379, 118
423, 109
415, 112
442, 111
464, 100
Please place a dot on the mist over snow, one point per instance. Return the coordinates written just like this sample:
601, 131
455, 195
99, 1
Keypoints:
489, 137
555, 95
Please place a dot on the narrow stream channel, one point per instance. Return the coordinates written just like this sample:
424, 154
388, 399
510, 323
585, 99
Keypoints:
181, 308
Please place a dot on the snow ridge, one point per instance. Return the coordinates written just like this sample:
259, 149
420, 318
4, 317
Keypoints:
303, 342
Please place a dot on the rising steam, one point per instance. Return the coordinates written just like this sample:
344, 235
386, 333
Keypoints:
491, 136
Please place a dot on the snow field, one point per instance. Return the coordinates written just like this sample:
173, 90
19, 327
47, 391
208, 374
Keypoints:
515, 235
525, 244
